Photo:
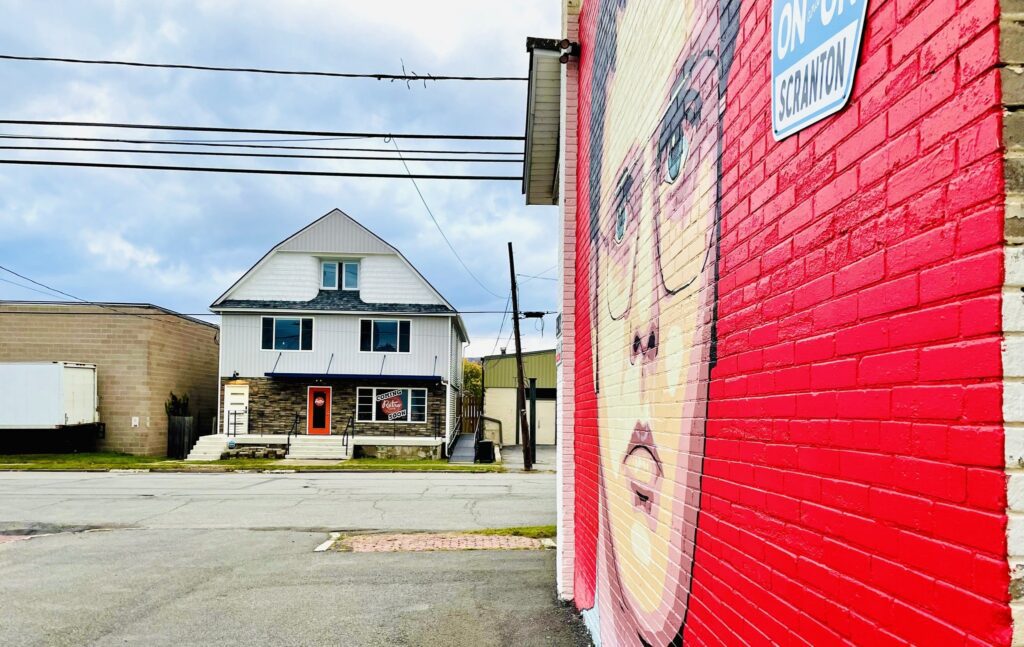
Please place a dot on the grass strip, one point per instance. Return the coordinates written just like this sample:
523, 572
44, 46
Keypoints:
101, 461
533, 532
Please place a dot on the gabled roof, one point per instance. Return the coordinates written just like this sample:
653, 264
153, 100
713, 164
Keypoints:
334, 233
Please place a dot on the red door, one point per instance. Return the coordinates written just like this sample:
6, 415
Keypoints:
318, 418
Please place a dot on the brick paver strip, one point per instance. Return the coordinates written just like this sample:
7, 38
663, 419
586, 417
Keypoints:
9, 538
420, 542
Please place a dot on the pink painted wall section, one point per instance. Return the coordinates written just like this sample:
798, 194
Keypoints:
567, 342
787, 370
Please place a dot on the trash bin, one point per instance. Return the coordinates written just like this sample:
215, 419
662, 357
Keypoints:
485, 451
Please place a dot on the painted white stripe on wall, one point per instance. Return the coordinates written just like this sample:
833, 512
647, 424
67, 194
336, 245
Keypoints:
1013, 410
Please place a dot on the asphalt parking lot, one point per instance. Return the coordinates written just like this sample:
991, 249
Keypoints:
229, 559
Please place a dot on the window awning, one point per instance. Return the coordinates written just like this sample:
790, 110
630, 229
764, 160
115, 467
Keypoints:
354, 376
543, 110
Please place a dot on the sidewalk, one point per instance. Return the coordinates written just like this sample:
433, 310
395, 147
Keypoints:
512, 458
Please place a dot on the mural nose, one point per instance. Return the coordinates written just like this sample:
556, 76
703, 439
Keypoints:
645, 344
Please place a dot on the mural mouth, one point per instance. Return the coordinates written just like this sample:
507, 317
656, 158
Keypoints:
643, 468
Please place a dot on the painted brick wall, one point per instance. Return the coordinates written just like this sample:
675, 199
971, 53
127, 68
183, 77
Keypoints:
1012, 73
566, 401
833, 466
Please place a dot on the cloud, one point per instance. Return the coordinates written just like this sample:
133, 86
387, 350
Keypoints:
117, 253
179, 239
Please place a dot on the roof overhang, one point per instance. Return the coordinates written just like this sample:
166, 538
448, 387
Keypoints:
543, 113
355, 377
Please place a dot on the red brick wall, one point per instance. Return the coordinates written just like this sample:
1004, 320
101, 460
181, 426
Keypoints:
847, 478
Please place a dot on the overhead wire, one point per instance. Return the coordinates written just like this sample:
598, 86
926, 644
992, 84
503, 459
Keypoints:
198, 314
260, 131
253, 171
378, 76
235, 143
28, 287
502, 326
416, 186
67, 294
147, 151
529, 277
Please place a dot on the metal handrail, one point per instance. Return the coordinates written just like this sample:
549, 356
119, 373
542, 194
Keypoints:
478, 435
348, 432
293, 431
232, 429
455, 433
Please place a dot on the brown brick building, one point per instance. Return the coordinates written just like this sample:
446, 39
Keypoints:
142, 353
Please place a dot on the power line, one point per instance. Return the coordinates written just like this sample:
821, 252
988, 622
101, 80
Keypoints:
180, 314
82, 149
260, 131
438, 225
61, 292
210, 169
27, 287
256, 70
232, 143
502, 326
528, 276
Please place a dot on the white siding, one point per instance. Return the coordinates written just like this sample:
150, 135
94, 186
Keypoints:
337, 334
336, 233
388, 279
283, 277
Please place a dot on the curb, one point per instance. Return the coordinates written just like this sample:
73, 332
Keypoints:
243, 470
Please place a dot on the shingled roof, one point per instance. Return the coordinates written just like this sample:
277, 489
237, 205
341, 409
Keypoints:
337, 301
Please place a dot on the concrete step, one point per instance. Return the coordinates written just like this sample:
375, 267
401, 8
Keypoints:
208, 448
324, 447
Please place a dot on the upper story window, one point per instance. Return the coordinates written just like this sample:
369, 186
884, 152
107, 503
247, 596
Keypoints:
350, 275
329, 275
343, 274
287, 333
384, 335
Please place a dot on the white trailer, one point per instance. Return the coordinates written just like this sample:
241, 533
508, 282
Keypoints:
48, 395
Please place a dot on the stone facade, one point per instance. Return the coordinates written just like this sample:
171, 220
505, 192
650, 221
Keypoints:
274, 403
398, 452
141, 355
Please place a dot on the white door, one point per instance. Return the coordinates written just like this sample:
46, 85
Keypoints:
236, 409
79, 395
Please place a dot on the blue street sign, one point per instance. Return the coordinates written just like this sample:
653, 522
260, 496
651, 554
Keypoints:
815, 45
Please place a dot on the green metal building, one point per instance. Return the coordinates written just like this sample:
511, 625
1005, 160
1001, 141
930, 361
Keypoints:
500, 396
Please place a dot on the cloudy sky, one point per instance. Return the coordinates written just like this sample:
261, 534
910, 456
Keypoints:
180, 239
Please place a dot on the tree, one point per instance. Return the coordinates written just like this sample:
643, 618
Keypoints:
472, 378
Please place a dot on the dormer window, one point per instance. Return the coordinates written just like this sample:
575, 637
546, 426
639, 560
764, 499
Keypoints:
350, 275
345, 273
329, 275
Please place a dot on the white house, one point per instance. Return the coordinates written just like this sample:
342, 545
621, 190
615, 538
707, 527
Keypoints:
333, 343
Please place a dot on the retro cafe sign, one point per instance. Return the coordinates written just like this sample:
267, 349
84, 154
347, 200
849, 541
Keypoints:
393, 405
815, 45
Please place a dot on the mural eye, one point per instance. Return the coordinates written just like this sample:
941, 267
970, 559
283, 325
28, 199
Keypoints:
675, 156
620, 223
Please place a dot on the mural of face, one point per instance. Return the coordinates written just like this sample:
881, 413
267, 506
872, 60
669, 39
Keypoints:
654, 197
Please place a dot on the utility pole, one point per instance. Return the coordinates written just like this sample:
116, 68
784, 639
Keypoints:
520, 392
